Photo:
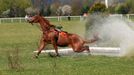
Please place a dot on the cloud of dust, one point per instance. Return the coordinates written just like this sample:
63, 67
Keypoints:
113, 32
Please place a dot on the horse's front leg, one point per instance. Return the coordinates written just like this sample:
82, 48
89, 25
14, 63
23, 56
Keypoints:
41, 46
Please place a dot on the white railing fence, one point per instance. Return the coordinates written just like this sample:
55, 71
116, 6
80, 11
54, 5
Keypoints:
52, 18
127, 16
61, 18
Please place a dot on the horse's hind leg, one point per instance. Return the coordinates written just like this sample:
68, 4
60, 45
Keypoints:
86, 48
82, 48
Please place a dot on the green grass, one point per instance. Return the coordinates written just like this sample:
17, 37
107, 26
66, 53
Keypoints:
24, 37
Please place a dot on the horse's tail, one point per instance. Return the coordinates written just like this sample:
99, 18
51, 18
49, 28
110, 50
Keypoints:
92, 40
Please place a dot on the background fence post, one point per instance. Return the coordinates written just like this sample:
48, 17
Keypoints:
0, 20
128, 16
11, 20
20, 19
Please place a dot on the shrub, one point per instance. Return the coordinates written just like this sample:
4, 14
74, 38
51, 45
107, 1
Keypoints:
97, 8
122, 9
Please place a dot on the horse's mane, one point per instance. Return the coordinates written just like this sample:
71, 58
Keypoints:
48, 25
47, 22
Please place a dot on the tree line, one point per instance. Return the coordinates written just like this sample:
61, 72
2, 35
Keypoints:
18, 8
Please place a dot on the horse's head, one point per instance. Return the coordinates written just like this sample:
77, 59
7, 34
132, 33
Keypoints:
38, 19
33, 19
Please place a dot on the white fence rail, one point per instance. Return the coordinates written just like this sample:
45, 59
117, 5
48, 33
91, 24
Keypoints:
52, 18
61, 18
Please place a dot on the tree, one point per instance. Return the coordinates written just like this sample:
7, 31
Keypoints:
97, 8
55, 8
85, 9
122, 9
16, 6
111, 9
5, 13
66, 10
47, 11
43, 6
130, 4
59, 11
31, 10
76, 5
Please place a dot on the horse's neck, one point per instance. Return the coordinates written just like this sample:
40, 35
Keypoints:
44, 26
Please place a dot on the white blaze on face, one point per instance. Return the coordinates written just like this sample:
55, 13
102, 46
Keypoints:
26, 17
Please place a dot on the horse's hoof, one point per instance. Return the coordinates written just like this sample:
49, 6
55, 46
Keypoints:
36, 56
51, 55
88, 50
58, 55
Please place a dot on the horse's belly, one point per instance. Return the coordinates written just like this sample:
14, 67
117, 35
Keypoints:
62, 42
65, 45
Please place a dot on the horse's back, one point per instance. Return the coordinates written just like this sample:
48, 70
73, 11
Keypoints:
75, 38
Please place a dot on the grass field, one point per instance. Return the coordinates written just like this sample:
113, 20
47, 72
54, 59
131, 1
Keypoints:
19, 40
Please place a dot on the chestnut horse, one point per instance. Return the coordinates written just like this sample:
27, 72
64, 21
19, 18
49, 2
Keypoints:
58, 38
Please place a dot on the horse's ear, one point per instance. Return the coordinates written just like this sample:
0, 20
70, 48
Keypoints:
40, 14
